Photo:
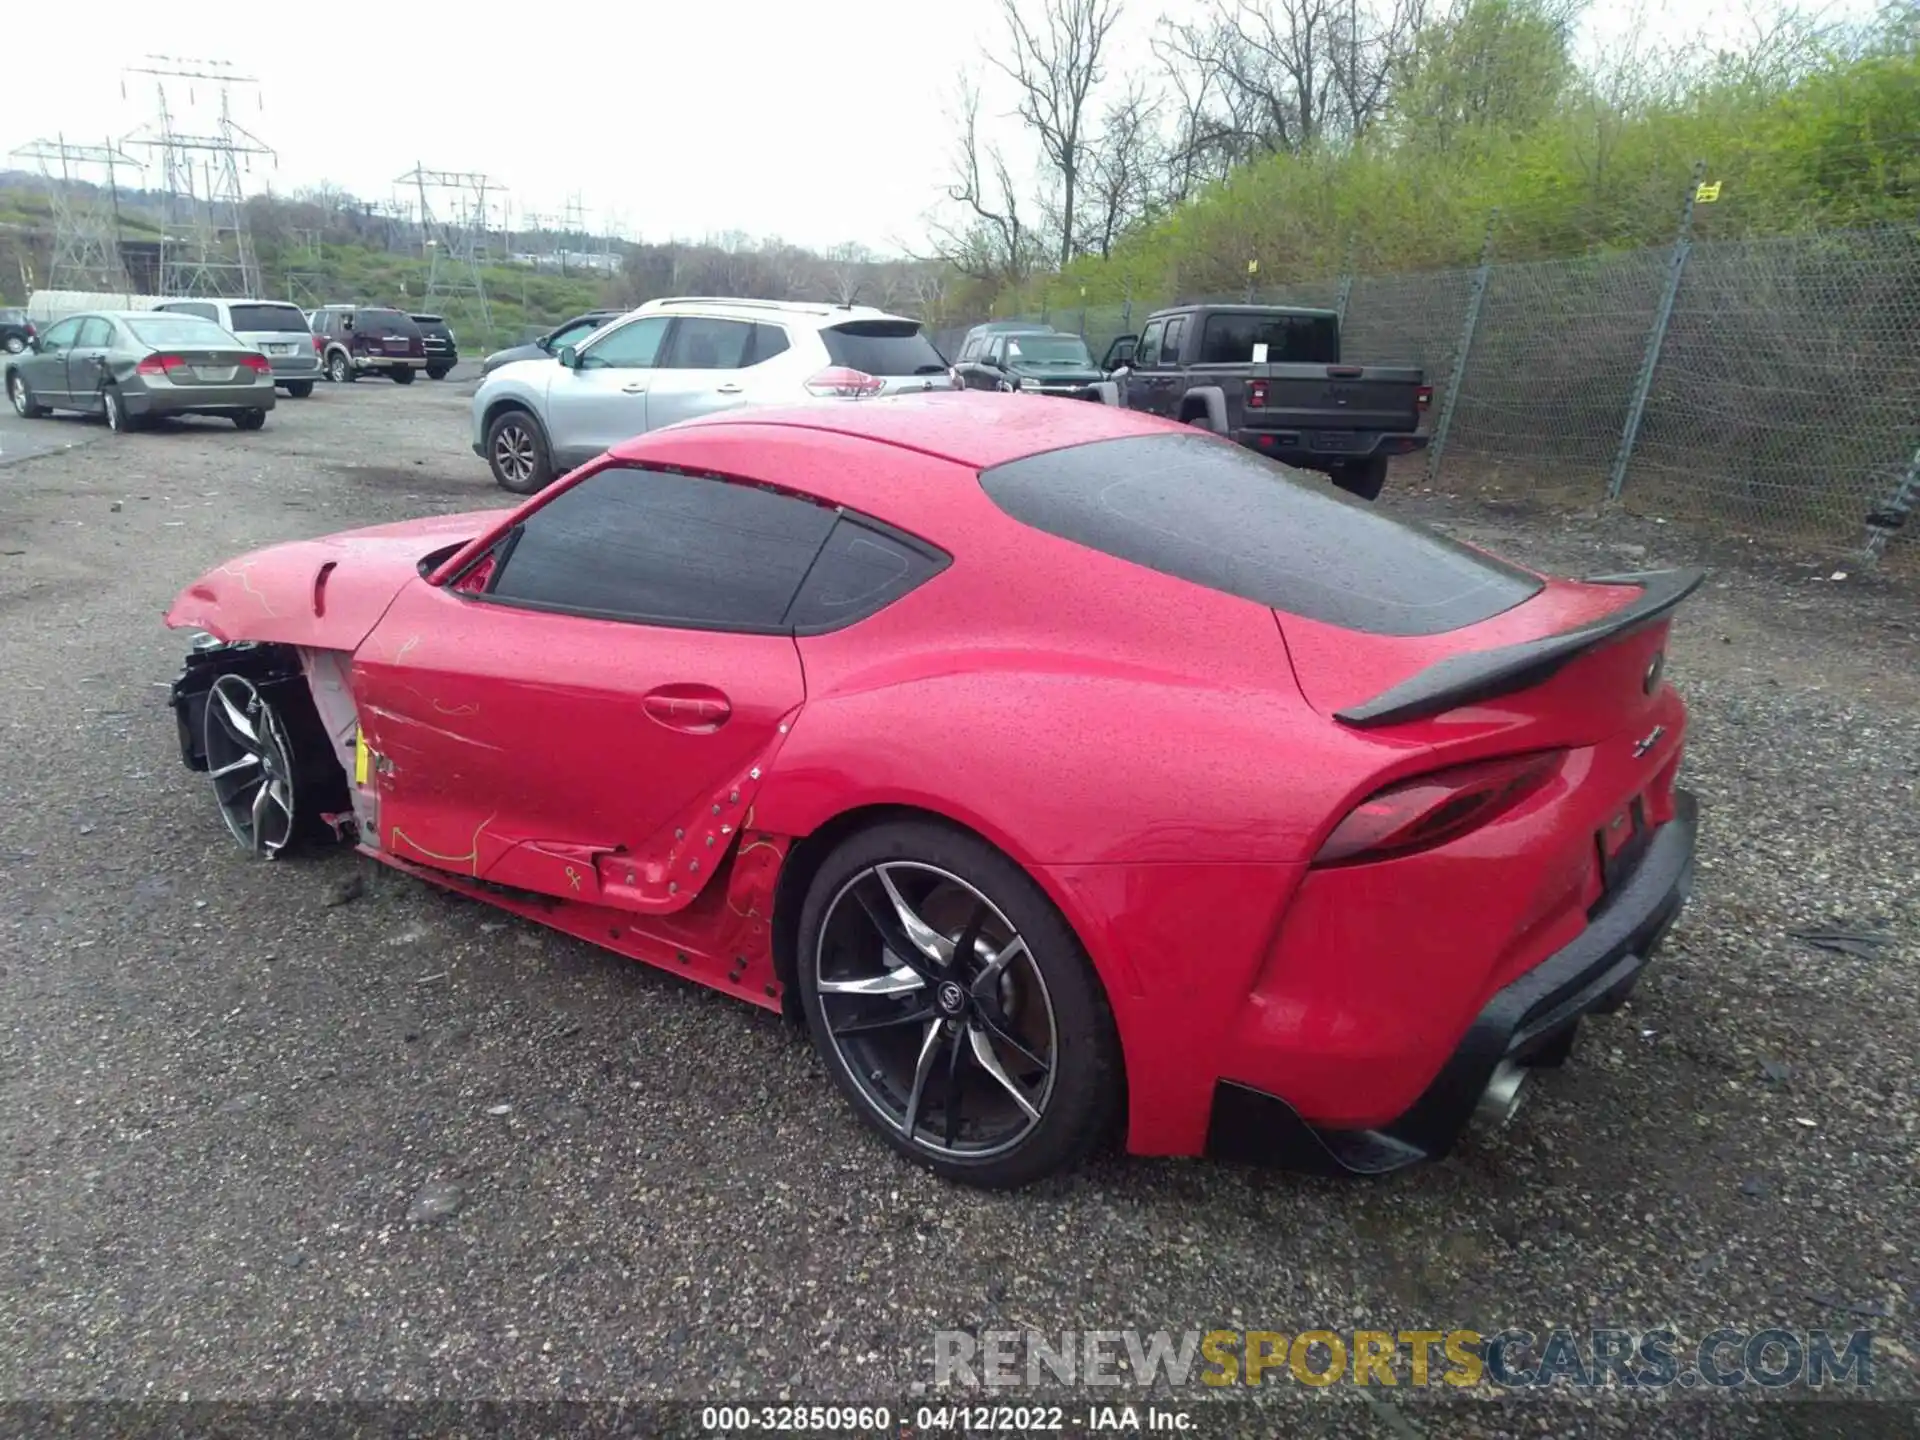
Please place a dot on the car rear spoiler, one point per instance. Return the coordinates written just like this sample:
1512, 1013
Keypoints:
1484, 674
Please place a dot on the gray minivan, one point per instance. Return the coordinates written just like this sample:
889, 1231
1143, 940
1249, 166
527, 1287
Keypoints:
277, 329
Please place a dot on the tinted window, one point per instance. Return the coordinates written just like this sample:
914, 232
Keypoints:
702, 344
282, 318
631, 347
384, 322
1290, 339
161, 331
1176, 334
190, 307
1147, 352
768, 341
13, 317
883, 347
1217, 515
1056, 351
860, 571
652, 545
969, 349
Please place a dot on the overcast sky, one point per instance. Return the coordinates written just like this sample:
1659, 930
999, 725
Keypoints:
819, 121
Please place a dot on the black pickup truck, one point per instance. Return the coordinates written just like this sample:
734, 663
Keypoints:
1271, 378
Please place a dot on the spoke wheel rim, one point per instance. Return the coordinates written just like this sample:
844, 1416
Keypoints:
113, 411
513, 450
19, 392
936, 1010
251, 766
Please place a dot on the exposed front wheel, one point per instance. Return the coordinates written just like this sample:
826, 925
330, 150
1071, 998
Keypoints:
517, 453
1364, 478
339, 368
955, 1008
21, 394
250, 420
300, 389
403, 377
438, 372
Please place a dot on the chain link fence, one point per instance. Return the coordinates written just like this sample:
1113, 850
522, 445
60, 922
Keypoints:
1765, 388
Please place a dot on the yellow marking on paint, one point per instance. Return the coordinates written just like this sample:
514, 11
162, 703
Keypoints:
360, 755
471, 858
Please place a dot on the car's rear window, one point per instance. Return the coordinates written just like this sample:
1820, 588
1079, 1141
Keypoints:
1229, 339
883, 347
285, 318
171, 331
384, 322
1212, 513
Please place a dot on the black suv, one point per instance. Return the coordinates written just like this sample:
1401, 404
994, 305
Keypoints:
358, 340
16, 331
442, 352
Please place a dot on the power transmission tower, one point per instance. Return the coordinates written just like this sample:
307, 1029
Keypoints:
205, 248
86, 238
455, 237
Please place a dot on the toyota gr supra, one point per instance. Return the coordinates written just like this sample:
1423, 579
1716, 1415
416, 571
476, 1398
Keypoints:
1067, 773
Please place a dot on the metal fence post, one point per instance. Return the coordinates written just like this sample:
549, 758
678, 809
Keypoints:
1346, 285
1894, 514
1650, 362
1461, 350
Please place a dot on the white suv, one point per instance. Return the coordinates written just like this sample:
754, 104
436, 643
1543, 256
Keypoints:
673, 359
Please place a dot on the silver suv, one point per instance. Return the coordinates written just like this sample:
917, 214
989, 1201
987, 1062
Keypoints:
674, 359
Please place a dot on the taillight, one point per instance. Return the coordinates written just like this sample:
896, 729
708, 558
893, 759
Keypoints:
317, 346
844, 382
1432, 809
158, 364
1423, 397
1257, 394
259, 364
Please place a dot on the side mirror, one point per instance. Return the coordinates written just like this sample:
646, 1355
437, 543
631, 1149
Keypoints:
569, 357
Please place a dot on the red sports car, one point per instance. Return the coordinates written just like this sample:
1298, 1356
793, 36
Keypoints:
1061, 768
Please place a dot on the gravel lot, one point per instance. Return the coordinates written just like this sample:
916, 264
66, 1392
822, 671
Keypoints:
232, 1110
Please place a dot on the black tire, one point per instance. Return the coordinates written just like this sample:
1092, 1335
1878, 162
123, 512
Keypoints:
21, 394
438, 372
114, 406
340, 368
15, 345
1364, 478
300, 389
403, 377
517, 453
250, 420
1084, 1079
1200, 420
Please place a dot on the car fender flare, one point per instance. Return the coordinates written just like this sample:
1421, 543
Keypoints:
1211, 401
513, 400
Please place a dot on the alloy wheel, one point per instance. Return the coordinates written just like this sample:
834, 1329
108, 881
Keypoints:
250, 763
937, 1010
513, 453
17, 392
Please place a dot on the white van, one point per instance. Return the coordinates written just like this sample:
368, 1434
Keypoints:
276, 329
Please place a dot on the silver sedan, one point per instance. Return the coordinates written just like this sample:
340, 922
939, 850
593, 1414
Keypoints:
134, 365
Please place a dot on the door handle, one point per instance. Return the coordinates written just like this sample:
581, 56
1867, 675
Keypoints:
728, 389
696, 709
633, 389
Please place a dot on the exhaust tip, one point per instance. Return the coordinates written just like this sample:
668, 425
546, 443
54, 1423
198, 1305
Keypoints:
1500, 1101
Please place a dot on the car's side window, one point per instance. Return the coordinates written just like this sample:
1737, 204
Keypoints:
861, 569
1147, 352
1170, 348
95, 334
665, 548
60, 337
968, 350
634, 346
768, 341
702, 344
571, 335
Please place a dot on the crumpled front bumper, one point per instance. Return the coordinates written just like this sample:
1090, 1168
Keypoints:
1531, 1020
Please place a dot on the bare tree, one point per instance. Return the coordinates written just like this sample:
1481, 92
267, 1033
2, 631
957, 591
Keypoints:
1056, 69
1265, 76
993, 243
1122, 166
848, 267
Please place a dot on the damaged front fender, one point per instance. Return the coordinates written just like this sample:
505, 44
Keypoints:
324, 594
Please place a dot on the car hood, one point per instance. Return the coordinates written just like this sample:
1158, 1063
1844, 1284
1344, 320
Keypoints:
326, 593
511, 354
